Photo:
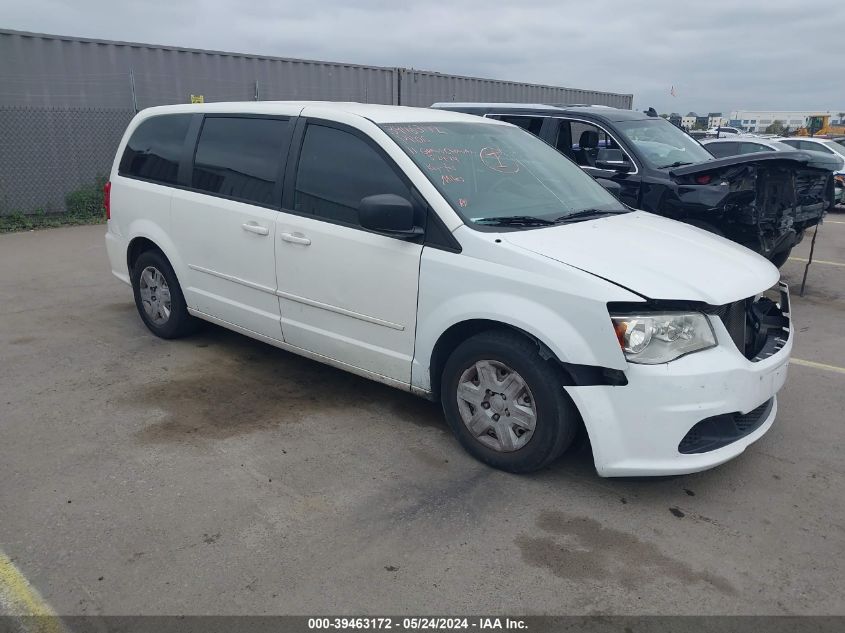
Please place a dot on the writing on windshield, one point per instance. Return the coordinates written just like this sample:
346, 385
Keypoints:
489, 171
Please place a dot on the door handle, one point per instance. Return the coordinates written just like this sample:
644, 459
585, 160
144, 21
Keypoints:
252, 227
296, 239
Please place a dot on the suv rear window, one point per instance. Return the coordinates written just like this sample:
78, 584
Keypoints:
241, 157
154, 150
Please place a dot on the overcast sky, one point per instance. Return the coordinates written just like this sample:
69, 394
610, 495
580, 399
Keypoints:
719, 55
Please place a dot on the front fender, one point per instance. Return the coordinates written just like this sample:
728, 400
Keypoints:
576, 328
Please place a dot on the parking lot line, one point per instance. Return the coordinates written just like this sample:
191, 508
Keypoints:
834, 222
809, 363
19, 598
816, 261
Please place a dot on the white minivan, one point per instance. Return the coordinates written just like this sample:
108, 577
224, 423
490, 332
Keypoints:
458, 258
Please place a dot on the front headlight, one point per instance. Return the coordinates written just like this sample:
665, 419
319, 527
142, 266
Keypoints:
659, 337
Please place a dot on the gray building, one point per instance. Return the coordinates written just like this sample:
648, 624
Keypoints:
65, 101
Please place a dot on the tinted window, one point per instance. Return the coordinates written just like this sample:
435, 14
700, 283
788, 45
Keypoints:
336, 170
531, 124
240, 157
155, 147
721, 150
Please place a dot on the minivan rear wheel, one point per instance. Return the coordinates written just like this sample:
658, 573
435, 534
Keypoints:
506, 404
159, 298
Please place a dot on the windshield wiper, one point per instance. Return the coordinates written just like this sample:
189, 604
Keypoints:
586, 214
515, 220
679, 163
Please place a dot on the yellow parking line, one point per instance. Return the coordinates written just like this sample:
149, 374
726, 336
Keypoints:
816, 261
19, 598
809, 363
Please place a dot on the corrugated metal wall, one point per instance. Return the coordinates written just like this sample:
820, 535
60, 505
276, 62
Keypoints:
64, 101
422, 88
49, 71
56, 71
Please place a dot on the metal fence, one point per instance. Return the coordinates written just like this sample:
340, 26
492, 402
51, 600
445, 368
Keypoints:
65, 101
48, 152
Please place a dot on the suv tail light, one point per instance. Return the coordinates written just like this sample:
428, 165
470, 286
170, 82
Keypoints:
107, 199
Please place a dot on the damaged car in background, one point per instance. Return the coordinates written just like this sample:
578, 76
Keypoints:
765, 201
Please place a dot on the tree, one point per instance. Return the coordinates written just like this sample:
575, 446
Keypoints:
776, 127
664, 116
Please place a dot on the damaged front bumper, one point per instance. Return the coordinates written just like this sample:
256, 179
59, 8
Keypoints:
700, 410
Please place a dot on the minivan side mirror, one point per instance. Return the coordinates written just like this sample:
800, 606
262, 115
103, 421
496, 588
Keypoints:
388, 214
613, 159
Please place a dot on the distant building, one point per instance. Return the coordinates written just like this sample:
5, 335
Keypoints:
759, 120
715, 119
675, 119
688, 121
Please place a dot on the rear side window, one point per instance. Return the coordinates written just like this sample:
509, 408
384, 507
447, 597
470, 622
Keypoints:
815, 147
336, 170
528, 123
154, 150
241, 158
753, 148
721, 150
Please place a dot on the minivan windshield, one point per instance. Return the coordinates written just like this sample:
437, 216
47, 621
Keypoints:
500, 175
662, 144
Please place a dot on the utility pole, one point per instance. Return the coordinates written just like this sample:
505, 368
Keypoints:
132, 86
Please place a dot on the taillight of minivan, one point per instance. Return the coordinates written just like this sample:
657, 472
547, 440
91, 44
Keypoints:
107, 199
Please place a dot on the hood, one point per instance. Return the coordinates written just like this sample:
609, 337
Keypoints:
655, 257
815, 160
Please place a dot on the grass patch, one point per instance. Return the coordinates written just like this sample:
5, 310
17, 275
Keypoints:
84, 206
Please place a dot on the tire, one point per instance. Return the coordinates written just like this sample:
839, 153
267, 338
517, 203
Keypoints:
779, 258
533, 384
166, 319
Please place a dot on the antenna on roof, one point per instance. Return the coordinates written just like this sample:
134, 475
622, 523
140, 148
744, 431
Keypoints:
651, 112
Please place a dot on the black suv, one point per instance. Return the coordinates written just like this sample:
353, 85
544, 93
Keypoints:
764, 201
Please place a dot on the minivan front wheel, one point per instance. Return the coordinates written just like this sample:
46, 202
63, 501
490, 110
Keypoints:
159, 298
506, 404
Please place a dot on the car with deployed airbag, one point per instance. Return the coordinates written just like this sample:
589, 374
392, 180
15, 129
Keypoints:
459, 259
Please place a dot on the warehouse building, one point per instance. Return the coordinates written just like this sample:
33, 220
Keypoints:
759, 120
